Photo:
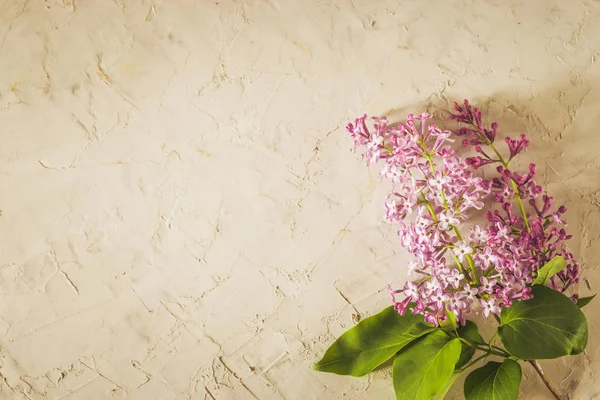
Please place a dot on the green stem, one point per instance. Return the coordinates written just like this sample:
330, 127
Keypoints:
470, 342
497, 351
505, 165
491, 145
492, 339
435, 218
431, 165
494, 352
429, 207
516, 189
469, 258
502, 350
474, 361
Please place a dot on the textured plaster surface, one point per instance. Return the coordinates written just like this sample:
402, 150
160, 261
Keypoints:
181, 215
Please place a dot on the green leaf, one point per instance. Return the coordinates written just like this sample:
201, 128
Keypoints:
450, 323
453, 378
548, 326
372, 342
494, 381
422, 369
583, 301
469, 332
552, 267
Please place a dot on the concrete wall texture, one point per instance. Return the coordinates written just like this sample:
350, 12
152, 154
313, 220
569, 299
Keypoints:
182, 217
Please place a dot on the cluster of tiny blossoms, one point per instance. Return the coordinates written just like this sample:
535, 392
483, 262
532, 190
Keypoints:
539, 233
490, 266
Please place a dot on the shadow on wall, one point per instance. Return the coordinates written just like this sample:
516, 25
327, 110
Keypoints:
565, 145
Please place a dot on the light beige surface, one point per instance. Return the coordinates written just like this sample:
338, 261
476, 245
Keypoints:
181, 215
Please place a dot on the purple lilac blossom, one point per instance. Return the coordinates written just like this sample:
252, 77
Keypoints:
540, 232
490, 266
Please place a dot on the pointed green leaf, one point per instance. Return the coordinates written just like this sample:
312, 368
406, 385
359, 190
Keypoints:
494, 381
453, 378
552, 267
548, 326
450, 323
469, 332
422, 369
372, 342
583, 301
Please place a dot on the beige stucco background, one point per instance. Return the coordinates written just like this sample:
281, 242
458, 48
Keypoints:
182, 217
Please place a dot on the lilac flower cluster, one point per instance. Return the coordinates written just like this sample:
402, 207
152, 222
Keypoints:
492, 265
540, 234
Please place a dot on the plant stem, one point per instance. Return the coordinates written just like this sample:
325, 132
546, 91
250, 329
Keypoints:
505, 165
549, 385
474, 361
494, 352
458, 235
435, 218
516, 189
502, 350
497, 351
492, 339
468, 256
